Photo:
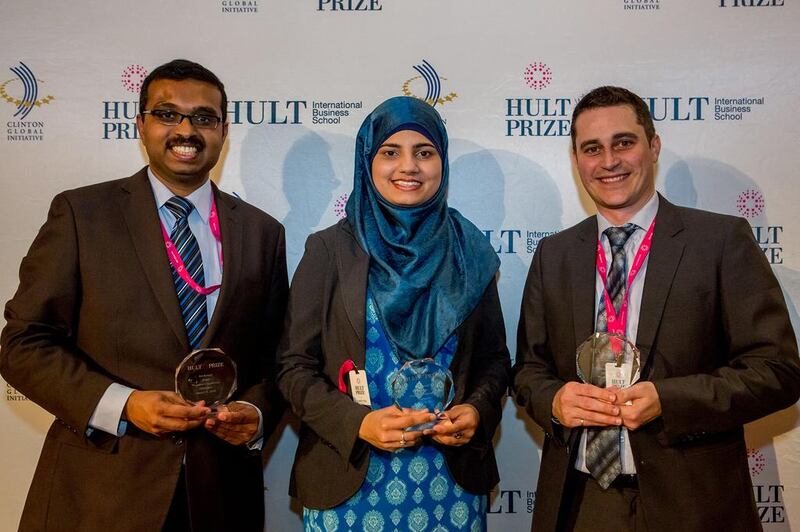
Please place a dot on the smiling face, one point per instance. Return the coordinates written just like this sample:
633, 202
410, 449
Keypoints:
615, 162
407, 169
182, 155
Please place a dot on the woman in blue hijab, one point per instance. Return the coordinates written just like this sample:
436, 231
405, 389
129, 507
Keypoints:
401, 278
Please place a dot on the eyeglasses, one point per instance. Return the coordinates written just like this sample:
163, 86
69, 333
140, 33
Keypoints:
173, 118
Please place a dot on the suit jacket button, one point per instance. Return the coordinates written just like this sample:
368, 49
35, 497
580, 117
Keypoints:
177, 440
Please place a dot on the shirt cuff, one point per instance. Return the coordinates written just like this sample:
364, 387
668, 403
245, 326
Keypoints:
257, 441
107, 415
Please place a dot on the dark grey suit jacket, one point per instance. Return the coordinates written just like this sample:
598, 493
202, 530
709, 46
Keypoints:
715, 340
96, 304
325, 327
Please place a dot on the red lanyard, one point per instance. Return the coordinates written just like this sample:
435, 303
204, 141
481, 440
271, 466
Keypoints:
177, 262
345, 368
616, 324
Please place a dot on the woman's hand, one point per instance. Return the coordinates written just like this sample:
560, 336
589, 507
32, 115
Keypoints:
458, 427
384, 428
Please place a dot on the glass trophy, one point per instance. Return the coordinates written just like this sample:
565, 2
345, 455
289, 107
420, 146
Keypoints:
608, 360
423, 383
206, 375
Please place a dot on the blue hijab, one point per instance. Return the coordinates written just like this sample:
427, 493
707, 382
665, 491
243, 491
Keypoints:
429, 266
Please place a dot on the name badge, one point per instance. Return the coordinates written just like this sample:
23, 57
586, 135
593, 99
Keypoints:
359, 388
618, 376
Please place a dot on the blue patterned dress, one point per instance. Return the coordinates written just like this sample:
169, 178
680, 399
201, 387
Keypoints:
410, 489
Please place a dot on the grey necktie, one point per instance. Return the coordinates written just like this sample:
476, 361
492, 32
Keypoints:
603, 444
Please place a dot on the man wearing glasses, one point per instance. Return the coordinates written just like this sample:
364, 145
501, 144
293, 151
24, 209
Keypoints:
125, 279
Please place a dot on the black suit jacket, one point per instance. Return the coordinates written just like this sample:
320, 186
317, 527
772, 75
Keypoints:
715, 339
96, 304
325, 327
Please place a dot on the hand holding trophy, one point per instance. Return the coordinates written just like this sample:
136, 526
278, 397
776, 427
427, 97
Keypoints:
206, 375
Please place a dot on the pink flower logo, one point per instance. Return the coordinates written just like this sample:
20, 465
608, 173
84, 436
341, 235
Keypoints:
750, 203
538, 75
756, 461
339, 205
132, 78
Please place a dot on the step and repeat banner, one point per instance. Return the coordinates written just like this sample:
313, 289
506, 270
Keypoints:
721, 78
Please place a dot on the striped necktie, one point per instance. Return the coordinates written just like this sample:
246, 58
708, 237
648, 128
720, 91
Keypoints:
193, 304
603, 444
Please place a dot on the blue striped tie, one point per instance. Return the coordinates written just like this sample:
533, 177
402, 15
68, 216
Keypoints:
603, 444
193, 304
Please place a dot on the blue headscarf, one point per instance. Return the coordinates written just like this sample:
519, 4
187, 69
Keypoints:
429, 266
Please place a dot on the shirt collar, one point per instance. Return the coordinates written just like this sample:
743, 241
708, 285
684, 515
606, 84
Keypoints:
643, 218
200, 198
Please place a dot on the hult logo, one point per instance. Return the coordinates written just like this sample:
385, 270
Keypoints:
750, 3
349, 5
751, 204
551, 117
119, 116
512, 502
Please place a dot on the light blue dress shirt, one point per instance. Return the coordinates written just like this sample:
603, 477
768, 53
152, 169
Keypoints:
643, 219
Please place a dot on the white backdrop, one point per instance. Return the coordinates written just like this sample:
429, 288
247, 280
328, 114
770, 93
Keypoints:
721, 79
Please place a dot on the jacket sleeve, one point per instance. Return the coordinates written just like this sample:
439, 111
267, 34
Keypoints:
317, 401
39, 356
535, 376
266, 395
759, 373
491, 365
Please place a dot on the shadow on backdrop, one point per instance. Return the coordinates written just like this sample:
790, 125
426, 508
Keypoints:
507, 195
305, 179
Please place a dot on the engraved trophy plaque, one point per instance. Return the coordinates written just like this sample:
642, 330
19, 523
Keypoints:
206, 375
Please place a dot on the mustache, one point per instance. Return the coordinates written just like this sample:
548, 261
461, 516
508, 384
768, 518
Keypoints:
191, 140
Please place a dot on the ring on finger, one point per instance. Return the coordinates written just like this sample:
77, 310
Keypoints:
582, 422
403, 439
457, 435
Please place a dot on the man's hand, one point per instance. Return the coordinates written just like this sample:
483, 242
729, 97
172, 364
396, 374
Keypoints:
645, 405
584, 405
384, 428
236, 423
458, 428
160, 412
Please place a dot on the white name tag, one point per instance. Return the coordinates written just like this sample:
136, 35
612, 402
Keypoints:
618, 376
359, 388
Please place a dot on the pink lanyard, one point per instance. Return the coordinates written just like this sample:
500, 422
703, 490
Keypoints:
177, 262
616, 324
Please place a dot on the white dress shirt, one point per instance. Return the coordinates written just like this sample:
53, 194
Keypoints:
642, 219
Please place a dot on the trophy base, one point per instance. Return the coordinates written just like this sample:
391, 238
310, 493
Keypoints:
429, 425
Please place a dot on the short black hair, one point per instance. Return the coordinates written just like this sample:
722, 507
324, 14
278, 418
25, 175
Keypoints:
180, 69
608, 96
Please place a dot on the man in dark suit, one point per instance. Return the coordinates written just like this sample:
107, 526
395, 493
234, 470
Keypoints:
103, 317
695, 294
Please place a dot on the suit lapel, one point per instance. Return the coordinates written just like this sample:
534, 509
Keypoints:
140, 213
232, 241
661, 267
582, 279
353, 266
